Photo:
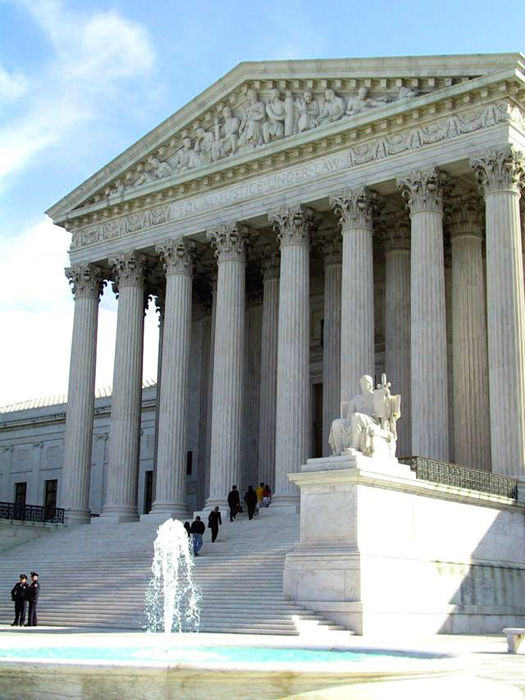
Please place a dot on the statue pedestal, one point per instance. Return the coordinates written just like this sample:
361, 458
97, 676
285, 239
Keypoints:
381, 552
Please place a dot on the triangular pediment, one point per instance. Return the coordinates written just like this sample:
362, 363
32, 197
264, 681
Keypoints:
259, 108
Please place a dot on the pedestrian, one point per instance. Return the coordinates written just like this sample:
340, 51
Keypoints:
32, 594
214, 520
234, 502
197, 531
250, 498
187, 528
267, 496
18, 596
260, 493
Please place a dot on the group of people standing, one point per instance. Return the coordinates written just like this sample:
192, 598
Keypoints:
22, 593
254, 500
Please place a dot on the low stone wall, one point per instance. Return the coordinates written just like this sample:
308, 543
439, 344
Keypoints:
381, 552
16, 532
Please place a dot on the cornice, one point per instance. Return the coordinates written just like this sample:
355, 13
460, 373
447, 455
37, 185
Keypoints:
508, 82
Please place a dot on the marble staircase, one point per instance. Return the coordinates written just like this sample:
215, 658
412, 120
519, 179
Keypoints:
95, 576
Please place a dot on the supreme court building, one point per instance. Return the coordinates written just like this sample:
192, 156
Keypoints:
300, 224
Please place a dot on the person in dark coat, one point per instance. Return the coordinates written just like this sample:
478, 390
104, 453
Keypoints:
214, 520
250, 498
234, 502
32, 598
18, 596
187, 528
197, 531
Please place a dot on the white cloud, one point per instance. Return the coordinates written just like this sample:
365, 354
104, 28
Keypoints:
37, 310
93, 55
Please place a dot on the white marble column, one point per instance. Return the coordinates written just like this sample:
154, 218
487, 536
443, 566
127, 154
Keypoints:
209, 393
86, 282
499, 173
228, 364
469, 334
120, 498
252, 382
355, 209
397, 320
170, 486
331, 249
428, 353
268, 394
293, 428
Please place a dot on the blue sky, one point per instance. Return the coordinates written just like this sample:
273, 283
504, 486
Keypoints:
81, 81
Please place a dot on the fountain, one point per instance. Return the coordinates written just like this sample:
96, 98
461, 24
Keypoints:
172, 599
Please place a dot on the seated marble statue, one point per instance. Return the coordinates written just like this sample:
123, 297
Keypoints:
368, 421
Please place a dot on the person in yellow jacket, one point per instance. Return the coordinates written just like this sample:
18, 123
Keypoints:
260, 493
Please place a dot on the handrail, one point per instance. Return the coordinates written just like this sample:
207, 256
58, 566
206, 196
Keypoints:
465, 477
30, 513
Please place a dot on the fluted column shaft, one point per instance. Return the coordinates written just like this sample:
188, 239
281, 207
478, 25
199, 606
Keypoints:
500, 174
332, 251
469, 337
268, 394
355, 208
397, 328
228, 366
170, 489
292, 440
424, 191
86, 284
120, 500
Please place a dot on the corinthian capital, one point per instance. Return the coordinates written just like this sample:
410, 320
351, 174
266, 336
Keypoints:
129, 268
177, 256
293, 225
355, 208
86, 280
229, 241
499, 170
394, 231
269, 259
423, 189
464, 215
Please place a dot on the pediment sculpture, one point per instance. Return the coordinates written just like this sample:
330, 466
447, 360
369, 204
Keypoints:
368, 421
258, 121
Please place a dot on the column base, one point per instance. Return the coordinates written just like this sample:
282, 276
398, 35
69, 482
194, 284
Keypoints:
118, 514
76, 516
285, 502
164, 509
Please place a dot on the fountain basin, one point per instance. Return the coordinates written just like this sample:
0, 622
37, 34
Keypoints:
106, 665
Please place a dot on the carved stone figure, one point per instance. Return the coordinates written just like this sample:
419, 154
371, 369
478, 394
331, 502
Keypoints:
361, 102
368, 422
405, 93
252, 121
333, 108
186, 157
273, 127
289, 112
308, 109
230, 131
204, 144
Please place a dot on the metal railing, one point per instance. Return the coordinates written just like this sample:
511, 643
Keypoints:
464, 477
36, 514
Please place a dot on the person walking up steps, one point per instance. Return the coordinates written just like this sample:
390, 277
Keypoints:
234, 502
250, 498
214, 520
32, 594
18, 596
197, 531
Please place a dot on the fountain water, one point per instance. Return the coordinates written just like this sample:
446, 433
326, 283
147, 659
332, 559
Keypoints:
172, 599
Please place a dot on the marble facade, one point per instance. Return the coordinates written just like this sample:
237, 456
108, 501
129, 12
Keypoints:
300, 224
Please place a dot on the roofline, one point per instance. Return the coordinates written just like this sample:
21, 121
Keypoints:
387, 66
